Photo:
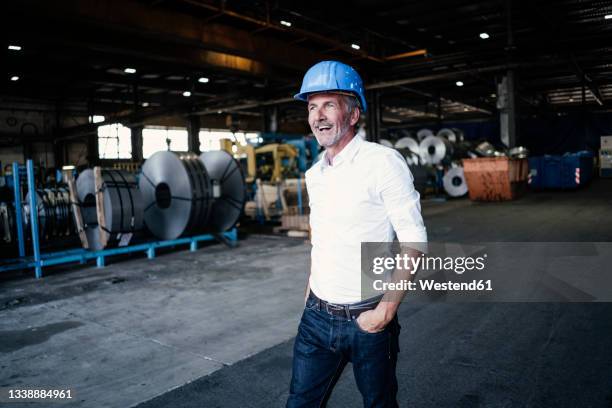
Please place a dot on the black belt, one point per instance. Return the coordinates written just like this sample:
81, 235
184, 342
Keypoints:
350, 311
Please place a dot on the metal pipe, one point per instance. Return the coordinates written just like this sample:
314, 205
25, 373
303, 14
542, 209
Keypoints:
18, 209
34, 218
406, 54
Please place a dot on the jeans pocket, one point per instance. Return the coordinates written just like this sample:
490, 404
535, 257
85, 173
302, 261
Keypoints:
359, 329
311, 304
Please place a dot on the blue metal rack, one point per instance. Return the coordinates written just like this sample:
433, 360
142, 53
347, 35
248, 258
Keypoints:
40, 260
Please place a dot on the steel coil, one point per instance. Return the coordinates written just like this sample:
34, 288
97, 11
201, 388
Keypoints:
123, 205
452, 135
434, 150
228, 189
53, 209
454, 182
424, 133
177, 194
385, 142
409, 148
519, 152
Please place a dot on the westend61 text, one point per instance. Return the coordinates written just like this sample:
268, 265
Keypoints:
428, 284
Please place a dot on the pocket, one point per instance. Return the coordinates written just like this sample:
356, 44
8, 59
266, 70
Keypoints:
359, 329
311, 304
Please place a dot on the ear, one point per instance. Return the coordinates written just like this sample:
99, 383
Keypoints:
355, 116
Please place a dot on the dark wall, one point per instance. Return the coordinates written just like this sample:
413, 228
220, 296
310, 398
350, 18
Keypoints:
546, 135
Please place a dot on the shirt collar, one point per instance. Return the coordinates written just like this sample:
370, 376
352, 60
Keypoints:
346, 154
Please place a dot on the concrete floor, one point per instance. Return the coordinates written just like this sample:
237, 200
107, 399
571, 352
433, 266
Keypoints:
215, 328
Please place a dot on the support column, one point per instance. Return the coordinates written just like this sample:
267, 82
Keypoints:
374, 116
193, 133
506, 92
137, 143
93, 155
270, 119
506, 103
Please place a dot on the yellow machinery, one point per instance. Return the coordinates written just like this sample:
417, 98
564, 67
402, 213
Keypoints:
283, 161
272, 162
266, 169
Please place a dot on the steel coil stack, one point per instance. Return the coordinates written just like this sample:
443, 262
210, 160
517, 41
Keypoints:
177, 194
123, 206
54, 216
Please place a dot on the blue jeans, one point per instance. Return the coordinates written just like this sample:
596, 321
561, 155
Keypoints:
326, 343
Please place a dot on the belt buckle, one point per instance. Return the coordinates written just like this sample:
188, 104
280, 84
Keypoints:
330, 306
344, 308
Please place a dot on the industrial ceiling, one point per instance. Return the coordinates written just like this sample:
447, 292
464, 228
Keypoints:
134, 60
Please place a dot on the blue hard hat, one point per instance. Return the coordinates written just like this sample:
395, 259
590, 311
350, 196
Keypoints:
332, 76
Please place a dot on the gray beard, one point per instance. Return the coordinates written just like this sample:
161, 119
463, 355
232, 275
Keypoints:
345, 127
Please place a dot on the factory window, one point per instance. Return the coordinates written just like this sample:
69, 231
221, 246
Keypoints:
114, 142
211, 139
156, 138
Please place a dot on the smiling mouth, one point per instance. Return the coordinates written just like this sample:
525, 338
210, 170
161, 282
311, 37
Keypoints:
323, 128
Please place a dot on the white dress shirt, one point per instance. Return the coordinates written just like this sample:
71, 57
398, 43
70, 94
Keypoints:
367, 195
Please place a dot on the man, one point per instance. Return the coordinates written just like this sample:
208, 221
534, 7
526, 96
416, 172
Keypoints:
359, 192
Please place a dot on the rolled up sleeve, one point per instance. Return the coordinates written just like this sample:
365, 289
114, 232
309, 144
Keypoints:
401, 200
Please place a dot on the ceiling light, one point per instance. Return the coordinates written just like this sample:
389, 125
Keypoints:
493, 95
145, 104
130, 70
14, 78
203, 80
465, 109
186, 94
484, 36
459, 83
571, 99
285, 23
14, 47
355, 46
608, 16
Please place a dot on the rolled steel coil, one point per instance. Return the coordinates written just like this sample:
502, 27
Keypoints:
452, 135
454, 182
409, 148
123, 205
385, 142
228, 189
424, 133
518, 152
53, 209
177, 194
434, 150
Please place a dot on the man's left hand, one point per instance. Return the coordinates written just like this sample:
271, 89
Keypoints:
373, 321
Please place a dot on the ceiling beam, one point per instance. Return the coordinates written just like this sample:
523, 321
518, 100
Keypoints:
586, 80
211, 44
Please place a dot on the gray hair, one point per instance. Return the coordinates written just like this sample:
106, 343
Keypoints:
351, 103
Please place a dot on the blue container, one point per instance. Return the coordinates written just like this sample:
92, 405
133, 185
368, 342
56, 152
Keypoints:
552, 172
562, 172
577, 169
535, 179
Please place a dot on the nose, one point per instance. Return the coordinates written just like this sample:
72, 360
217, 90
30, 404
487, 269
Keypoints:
318, 114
